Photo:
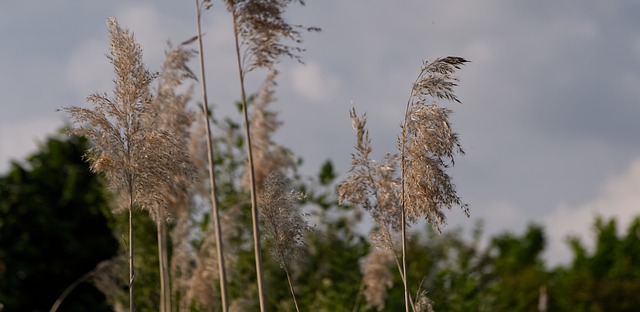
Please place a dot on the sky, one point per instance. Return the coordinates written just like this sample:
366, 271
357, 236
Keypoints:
550, 100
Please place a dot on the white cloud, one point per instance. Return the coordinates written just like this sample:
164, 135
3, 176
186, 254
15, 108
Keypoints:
18, 139
312, 82
618, 198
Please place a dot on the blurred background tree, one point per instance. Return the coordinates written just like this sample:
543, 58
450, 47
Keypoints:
53, 229
55, 226
605, 279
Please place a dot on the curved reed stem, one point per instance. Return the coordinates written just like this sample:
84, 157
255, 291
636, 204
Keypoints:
68, 290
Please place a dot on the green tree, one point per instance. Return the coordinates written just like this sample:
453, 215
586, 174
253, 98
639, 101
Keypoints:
53, 229
461, 273
329, 272
606, 279
519, 271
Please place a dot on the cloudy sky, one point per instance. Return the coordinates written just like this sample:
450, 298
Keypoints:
550, 101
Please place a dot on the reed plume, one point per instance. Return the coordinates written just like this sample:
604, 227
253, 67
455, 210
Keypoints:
374, 186
282, 223
108, 278
139, 160
423, 303
377, 278
205, 273
426, 147
280, 219
262, 32
269, 156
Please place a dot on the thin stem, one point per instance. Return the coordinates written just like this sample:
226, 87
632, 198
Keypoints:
293, 294
403, 161
212, 180
254, 201
356, 305
165, 286
130, 182
404, 251
165, 259
161, 264
131, 272
403, 227
68, 290
402, 275
395, 258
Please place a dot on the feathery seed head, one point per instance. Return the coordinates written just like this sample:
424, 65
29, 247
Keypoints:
282, 222
427, 147
428, 144
140, 158
382, 238
377, 278
262, 28
423, 303
436, 79
268, 156
375, 186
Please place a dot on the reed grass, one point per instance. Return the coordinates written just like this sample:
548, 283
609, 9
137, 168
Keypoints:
282, 223
140, 141
172, 114
377, 278
259, 30
426, 148
142, 162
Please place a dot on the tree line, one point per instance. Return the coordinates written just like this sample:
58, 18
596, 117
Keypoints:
55, 227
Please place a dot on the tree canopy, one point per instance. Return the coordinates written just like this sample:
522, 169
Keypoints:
54, 228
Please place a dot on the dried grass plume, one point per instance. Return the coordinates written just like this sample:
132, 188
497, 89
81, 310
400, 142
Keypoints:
282, 223
264, 32
375, 186
268, 156
428, 144
377, 278
138, 157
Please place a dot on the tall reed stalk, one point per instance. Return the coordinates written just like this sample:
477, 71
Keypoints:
427, 147
258, 29
165, 287
210, 157
140, 160
255, 227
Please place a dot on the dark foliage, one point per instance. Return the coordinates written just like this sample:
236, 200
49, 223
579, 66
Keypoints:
53, 229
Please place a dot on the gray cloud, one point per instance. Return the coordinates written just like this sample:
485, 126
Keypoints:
550, 98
